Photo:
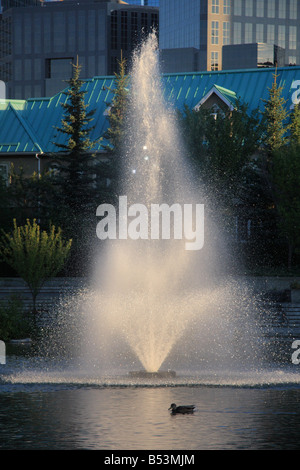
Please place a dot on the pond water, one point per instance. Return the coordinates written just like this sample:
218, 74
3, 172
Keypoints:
54, 408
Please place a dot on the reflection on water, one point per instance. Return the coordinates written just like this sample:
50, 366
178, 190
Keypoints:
45, 404
62, 416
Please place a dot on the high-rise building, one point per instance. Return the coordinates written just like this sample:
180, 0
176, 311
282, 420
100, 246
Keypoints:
149, 3
40, 40
200, 28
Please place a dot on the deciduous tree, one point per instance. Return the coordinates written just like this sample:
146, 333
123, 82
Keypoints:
35, 255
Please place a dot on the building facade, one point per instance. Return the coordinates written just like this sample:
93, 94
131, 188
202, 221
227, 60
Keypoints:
150, 3
40, 41
207, 25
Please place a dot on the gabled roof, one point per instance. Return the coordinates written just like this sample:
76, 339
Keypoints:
16, 134
30, 125
228, 97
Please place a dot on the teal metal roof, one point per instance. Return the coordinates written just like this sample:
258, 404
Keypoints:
29, 125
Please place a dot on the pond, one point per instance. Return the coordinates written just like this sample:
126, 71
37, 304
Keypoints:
46, 406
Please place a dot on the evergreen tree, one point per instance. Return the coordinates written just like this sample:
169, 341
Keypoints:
31, 196
275, 116
221, 146
114, 135
76, 162
286, 186
280, 166
79, 176
295, 124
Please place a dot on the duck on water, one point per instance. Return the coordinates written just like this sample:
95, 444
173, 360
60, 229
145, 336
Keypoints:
182, 409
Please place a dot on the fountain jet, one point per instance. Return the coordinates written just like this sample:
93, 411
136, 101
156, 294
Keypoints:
155, 293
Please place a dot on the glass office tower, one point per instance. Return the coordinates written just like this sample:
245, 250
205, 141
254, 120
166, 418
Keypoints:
38, 43
148, 3
207, 25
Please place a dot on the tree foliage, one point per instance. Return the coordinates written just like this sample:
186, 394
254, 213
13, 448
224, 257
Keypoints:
117, 109
76, 162
221, 146
281, 167
275, 116
35, 255
116, 116
31, 196
285, 175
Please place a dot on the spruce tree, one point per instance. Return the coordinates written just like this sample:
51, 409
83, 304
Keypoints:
116, 116
286, 185
281, 166
78, 179
221, 147
76, 161
295, 124
275, 118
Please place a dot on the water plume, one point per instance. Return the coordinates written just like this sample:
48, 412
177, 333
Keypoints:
154, 295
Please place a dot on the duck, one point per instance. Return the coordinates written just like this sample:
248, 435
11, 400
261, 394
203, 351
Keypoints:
181, 409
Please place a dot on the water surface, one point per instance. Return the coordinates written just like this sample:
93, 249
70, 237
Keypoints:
52, 409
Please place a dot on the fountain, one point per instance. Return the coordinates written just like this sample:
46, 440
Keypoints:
158, 324
154, 297
161, 306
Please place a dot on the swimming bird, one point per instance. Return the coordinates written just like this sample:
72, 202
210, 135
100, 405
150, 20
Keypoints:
181, 409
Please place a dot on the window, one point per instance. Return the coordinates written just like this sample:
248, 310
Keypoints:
270, 34
215, 32
282, 9
81, 31
260, 8
114, 29
215, 6
59, 68
226, 7
91, 30
293, 37
249, 8
134, 28
226, 32
114, 68
124, 30
259, 33
144, 21
281, 35
27, 69
154, 20
54, 170
17, 37
37, 31
47, 32
216, 111
293, 10
59, 39
4, 172
237, 7
237, 33
71, 33
214, 62
243, 229
271, 9
292, 60
248, 33
28, 29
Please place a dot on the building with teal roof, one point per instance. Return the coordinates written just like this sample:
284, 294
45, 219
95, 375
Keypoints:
28, 127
